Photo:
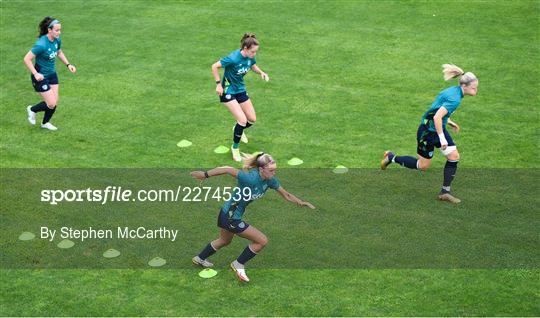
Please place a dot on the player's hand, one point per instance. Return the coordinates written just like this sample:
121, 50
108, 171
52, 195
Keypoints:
219, 89
72, 68
265, 76
455, 128
309, 205
199, 175
39, 77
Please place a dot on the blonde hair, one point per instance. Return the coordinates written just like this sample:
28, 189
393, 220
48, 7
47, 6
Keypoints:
256, 160
451, 71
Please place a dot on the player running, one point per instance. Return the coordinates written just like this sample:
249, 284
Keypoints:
232, 90
256, 176
432, 131
44, 77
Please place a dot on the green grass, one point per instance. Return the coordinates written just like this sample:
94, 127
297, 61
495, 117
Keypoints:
348, 81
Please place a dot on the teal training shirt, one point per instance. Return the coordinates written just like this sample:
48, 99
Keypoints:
450, 99
45, 52
236, 66
251, 179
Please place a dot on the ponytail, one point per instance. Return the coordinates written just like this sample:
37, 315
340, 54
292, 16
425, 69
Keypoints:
256, 160
45, 25
451, 71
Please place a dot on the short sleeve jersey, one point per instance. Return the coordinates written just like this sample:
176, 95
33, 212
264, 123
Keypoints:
242, 197
45, 52
236, 66
450, 99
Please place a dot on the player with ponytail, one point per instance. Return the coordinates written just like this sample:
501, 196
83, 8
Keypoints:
232, 90
44, 77
256, 177
432, 131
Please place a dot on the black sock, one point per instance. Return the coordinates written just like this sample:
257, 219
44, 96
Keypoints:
406, 161
449, 172
248, 124
238, 130
246, 255
207, 252
39, 107
48, 114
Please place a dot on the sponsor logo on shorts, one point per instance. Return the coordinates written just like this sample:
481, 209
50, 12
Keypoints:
241, 225
431, 153
44, 87
228, 96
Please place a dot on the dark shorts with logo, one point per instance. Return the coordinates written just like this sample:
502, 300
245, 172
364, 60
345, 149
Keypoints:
229, 224
45, 84
429, 140
240, 97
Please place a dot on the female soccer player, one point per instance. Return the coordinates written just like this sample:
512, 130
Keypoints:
44, 77
257, 176
232, 90
432, 130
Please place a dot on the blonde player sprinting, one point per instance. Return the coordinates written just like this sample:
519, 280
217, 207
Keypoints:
256, 176
432, 131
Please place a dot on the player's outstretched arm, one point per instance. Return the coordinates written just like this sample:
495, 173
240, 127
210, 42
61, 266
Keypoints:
201, 175
292, 198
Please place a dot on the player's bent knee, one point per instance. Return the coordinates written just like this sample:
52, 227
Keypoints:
454, 156
263, 241
252, 120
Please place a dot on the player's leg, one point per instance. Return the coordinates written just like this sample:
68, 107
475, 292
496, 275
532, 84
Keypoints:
258, 242
452, 158
249, 111
51, 108
43, 88
241, 121
425, 147
225, 238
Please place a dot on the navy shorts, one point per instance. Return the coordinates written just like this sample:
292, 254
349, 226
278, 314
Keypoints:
229, 224
45, 84
240, 97
429, 140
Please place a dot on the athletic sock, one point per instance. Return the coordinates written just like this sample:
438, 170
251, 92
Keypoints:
246, 255
406, 161
450, 169
39, 107
207, 252
248, 124
235, 145
48, 114
238, 130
